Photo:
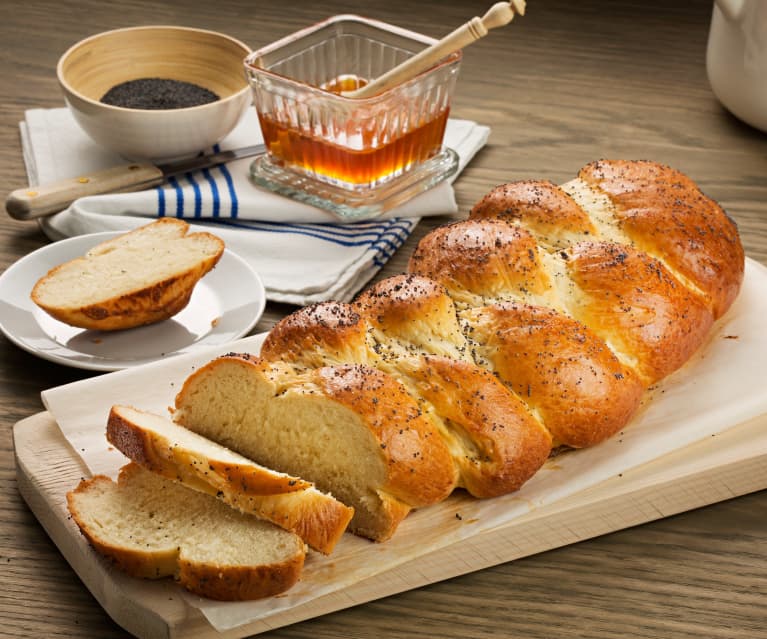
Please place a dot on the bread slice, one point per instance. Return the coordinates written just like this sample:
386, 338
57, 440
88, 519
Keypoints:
140, 277
352, 430
151, 527
164, 447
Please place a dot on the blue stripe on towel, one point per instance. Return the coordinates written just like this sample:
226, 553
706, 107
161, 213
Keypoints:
197, 195
179, 196
399, 235
357, 229
396, 227
213, 192
286, 228
381, 258
160, 201
232, 194
235, 205
402, 232
382, 242
320, 231
329, 233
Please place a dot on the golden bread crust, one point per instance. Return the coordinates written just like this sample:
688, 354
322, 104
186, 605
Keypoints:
483, 259
238, 583
421, 342
400, 298
560, 368
667, 215
538, 205
421, 470
501, 445
634, 303
410, 314
317, 335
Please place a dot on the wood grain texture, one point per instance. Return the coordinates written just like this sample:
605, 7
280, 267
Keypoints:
572, 83
731, 464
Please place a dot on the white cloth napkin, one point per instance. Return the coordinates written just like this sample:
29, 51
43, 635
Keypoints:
302, 253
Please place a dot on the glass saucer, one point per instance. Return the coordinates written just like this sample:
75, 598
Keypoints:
350, 204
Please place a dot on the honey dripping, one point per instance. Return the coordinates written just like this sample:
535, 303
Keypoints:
367, 165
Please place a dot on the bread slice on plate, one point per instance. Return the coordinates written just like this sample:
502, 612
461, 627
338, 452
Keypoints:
144, 276
168, 449
151, 527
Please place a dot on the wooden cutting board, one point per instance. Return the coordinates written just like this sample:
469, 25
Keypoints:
727, 465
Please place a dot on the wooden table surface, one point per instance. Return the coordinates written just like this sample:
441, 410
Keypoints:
568, 83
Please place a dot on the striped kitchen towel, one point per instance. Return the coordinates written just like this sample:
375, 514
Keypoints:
302, 253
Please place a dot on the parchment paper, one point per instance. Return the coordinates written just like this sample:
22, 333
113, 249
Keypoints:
723, 385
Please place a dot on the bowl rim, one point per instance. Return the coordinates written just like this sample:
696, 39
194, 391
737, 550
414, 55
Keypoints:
152, 27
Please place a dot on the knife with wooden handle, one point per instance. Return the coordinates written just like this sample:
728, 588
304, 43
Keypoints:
38, 201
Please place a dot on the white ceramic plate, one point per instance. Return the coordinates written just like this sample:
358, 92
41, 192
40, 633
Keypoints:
225, 305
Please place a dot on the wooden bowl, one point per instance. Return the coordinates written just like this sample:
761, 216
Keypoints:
205, 58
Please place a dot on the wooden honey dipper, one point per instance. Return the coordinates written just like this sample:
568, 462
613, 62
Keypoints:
500, 14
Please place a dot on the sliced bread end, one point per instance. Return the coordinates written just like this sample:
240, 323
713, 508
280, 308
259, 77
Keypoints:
152, 528
141, 277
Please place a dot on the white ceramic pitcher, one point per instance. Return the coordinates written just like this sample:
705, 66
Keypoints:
736, 58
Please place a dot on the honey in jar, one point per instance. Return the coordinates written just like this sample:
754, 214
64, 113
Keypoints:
359, 152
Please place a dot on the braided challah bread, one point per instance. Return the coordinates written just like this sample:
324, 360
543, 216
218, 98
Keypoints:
538, 322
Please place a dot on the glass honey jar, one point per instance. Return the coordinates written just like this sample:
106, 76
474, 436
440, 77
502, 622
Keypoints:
355, 156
